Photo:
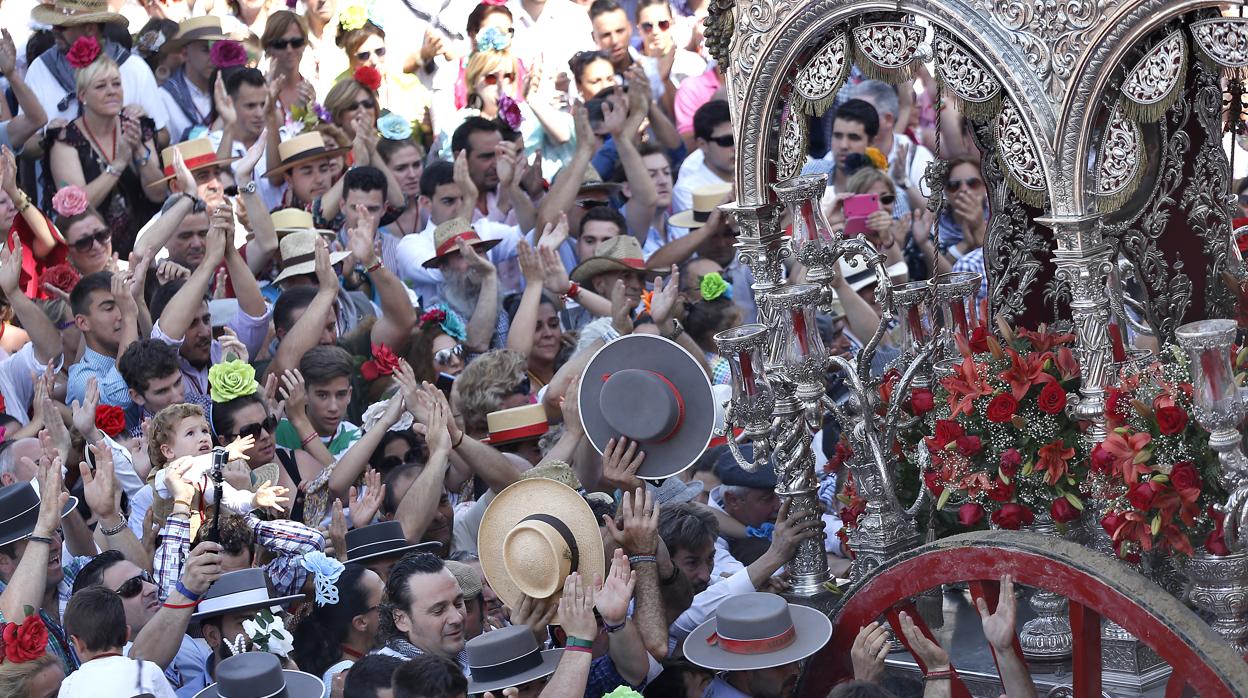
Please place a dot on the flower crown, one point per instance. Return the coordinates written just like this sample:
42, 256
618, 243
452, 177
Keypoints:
357, 14
713, 286
393, 127
509, 112
368, 76
309, 117
69, 201
448, 320
492, 39
83, 52
231, 379
227, 53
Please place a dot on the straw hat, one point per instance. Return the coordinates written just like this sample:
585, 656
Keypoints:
298, 253
305, 147
516, 424
205, 28
533, 534
705, 200
295, 220
447, 236
73, 13
260, 675
507, 657
556, 470
241, 590
197, 153
650, 390
756, 631
621, 253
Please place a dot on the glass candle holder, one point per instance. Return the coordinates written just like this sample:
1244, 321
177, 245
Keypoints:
954, 294
911, 302
813, 240
745, 349
1215, 395
798, 347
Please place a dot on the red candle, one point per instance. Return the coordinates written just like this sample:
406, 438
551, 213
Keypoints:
747, 373
915, 319
1120, 352
960, 320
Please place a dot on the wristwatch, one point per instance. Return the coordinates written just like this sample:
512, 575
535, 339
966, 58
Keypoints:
248, 188
677, 330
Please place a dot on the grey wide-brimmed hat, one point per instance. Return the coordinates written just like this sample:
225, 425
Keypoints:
507, 657
240, 590
650, 390
675, 491
260, 675
19, 511
384, 539
757, 631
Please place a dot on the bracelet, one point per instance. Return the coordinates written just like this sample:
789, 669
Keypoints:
373, 267
307, 440
186, 592
635, 560
180, 606
114, 531
578, 642
40, 539
574, 290
941, 675
577, 648
25, 201
110, 170
614, 628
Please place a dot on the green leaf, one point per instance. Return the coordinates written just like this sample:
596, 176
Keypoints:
1160, 477
1004, 478
944, 498
1142, 457
1027, 468
1074, 501
1156, 524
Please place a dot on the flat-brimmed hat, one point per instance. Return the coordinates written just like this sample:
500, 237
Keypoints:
260, 675
469, 580
507, 657
305, 147
295, 220
621, 253
732, 474
197, 153
240, 590
592, 181
516, 424
650, 390
533, 535
19, 511
298, 254
446, 239
204, 28
705, 200
755, 631
384, 539
677, 491
73, 13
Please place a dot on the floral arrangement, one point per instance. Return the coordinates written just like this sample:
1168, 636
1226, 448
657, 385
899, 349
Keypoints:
61, 276
309, 116
999, 439
1155, 471
876, 156
448, 320
713, 286
69, 201
853, 505
393, 127
509, 112
492, 39
110, 419
368, 76
83, 52
231, 379
22, 642
383, 363
264, 633
227, 53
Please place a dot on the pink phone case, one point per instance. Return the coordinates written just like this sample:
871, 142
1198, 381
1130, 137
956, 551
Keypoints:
856, 226
862, 205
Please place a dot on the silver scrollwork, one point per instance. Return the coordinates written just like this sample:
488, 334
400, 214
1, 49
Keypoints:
819, 80
976, 91
792, 153
1223, 40
1120, 161
1023, 168
1156, 80
887, 50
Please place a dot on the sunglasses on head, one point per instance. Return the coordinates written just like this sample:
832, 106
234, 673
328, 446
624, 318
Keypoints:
133, 586
970, 183
253, 430
363, 55
366, 103
283, 44
492, 78
100, 237
392, 462
445, 356
725, 141
662, 24
590, 203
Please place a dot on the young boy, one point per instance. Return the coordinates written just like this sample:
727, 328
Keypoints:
328, 373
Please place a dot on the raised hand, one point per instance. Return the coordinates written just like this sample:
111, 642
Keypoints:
52, 497
167, 271
613, 117
270, 496
530, 264
505, 157
621, 309
899, 169
554, 235
437, 438
933, 656
664, 303
362, 239
11, 268
84, 412
570, 407
293, 392
239, 447
792, 529
614, 593
180, 490
336, 534
326, 280
432, 46
466, 188
576, 608
620, 461
100, 488
476, 262
581, 128
244, 169
232, 346
870, 648
638, 532
556, 279
8, 53
203, 567
237, 474
999, 626
121, 296
536, 613
365, 502
8, 170
223, 102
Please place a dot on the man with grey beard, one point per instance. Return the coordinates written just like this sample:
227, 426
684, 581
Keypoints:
470, 283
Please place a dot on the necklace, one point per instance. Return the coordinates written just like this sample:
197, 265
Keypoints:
96, 142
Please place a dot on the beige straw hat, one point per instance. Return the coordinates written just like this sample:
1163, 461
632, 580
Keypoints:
621, 253
205, 28
305, 147
705, 200
197, 153
298, 252
73, 13
516, 424
296, 220
447, 236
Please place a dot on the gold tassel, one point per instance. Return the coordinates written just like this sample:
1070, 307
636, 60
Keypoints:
1108, 202
875, 71
1150, 113
975, 111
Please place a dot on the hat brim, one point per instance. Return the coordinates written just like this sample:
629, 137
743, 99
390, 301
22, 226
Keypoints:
298, 685
594, 266
297, 160
813, 630
550, 660
252, 606
309, 267
478, 245
176, 44
214, 163
532, 496
28, 531
668, 359
400, 551
48, 14
684, 219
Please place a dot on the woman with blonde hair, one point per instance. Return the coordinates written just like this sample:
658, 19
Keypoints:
40, 677
352, 97
285, 41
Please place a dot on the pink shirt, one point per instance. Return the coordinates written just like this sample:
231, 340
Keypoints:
693, 93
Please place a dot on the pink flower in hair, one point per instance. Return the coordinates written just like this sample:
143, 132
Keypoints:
69, 201
83, 53
227, 53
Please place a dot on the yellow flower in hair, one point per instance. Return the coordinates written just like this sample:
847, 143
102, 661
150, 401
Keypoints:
877, 158
353, 16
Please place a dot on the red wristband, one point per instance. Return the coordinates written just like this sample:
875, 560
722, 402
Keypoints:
192, 604
307, 440
574, 290
577, 648
376, 265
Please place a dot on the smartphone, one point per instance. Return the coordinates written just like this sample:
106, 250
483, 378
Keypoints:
857, 209
444, 383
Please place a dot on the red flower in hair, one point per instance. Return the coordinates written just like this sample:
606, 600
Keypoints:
27, 641
61, 276
227, 53
383, 363
83, 53
436, 315
110, 419
368, 76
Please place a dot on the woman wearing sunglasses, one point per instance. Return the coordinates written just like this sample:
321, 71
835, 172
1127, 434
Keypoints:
89, 241
285, 42
964, 220
887, 231
400, 92
349, 98
437, 353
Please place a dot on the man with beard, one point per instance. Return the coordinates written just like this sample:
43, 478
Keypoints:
185, 322
690, 531
470, 284
428, 610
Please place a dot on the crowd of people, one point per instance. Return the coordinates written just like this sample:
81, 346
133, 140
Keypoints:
328, 359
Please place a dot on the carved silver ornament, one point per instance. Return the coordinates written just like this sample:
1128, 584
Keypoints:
819, 80
1023, 169
792, 151
1224, 40
976, 91
887, 50
1120, 161
1156, 80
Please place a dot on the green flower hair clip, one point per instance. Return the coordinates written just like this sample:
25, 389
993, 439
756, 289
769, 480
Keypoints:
713, 286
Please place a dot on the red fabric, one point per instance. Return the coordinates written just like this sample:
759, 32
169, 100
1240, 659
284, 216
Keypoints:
32, 268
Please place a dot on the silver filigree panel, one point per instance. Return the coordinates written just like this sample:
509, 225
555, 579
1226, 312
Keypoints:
1223, 39
962, 74
1154, 82
890, 46
1120, 161
819, 80
1023, 168
792, 153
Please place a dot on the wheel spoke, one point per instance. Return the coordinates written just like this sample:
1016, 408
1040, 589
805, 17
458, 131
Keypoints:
1085, 627
958, 689
1176, 687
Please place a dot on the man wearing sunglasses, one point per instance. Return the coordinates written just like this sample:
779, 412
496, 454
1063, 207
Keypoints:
667, 64
712, 163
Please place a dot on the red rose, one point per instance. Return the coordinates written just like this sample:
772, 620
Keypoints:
979, 339
1063, 511
60, 276
1001, 408
969, 446
1001, 492
970, 514
1012, 517
383, 363
83, 52
1184, 476
1171, 420
1141, 495
1117, 405
1111, 522
227, 53
921, 401
932, 479
948, 431
1102, 460
27, 641
1052, 399
1010, 460
1216, 545
110, 419
368, 76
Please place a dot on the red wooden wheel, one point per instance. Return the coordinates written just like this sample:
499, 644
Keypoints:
1097, 587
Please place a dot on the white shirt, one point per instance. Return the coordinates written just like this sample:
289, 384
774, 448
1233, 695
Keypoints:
116, 676
707, 602
694, 174
15, 384
554, 37
687, 64
178, 121
725, 564
137, 83
416, 249
918, 157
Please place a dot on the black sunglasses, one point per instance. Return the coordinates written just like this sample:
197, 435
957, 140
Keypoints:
133, 586
391, 462
887, 199
970, 182
253, 430
283, 44
99, 237
363, 55
725, 141
522, 388
663, 25
366, 103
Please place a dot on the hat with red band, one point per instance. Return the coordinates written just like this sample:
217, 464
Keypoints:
307, 147
516, 424
197, 153
649, 390
621, 253
757, 631
446, 239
